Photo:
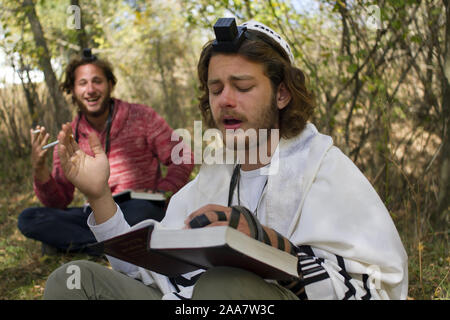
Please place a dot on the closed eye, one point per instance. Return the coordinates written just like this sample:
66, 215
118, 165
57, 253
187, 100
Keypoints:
246, 89
215, 92
215, 89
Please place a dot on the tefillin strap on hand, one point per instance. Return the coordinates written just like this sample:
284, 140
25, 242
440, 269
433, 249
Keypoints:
88, 56
202, 220
257, 231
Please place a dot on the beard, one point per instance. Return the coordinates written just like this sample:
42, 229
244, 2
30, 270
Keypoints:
94, 114
241, 140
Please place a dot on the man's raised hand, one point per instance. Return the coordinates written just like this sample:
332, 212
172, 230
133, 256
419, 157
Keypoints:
39, 138
89, 174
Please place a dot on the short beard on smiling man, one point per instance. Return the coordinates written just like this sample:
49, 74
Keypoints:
105, 106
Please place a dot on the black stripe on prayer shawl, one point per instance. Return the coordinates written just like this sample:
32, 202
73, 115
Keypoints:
351, 289
340, 262
185, 282
172, 281
309, 264
365, 279
312, 270
302, 295
302, 257
319, 277
180, 296
310, 275
306, 261
307, 258
306, 249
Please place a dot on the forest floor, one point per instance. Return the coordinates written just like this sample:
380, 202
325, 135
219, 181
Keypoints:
24, 270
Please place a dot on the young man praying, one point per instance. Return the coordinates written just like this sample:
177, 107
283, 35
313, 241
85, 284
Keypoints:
309, 199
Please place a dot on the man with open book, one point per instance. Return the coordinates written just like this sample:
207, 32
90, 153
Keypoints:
136, 141
301, 195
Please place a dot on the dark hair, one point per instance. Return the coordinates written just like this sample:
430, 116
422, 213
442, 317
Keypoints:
69, 81
277, 67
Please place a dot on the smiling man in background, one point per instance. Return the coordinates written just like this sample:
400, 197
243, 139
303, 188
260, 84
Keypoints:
135, 139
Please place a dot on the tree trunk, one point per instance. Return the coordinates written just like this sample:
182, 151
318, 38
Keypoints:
248, 10
172, 110
28, 96
31, 95
61, 111
443, 196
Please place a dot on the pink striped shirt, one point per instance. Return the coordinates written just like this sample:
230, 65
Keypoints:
140, 140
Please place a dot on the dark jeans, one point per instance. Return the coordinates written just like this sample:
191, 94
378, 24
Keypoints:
67, 230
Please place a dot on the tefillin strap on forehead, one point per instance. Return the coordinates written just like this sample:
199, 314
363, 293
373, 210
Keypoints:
229, 37
88, 56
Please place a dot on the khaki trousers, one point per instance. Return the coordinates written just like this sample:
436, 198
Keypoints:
97, 282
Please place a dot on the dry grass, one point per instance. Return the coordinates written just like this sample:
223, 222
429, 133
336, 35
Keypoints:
23, 270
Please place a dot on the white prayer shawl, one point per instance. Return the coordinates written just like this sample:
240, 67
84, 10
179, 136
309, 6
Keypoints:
318, 199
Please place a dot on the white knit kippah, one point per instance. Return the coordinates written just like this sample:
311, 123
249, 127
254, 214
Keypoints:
258, 26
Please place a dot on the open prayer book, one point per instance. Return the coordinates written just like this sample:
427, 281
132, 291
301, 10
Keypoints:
130, 194
172, 252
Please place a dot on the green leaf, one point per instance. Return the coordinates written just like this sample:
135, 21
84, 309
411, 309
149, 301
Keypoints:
416, 39
352, 68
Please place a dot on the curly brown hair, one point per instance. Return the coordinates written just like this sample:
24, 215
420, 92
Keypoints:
277, 67
68, 84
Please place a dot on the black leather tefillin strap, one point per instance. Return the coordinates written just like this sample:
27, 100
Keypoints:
256, 230
202, 220
234, 181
